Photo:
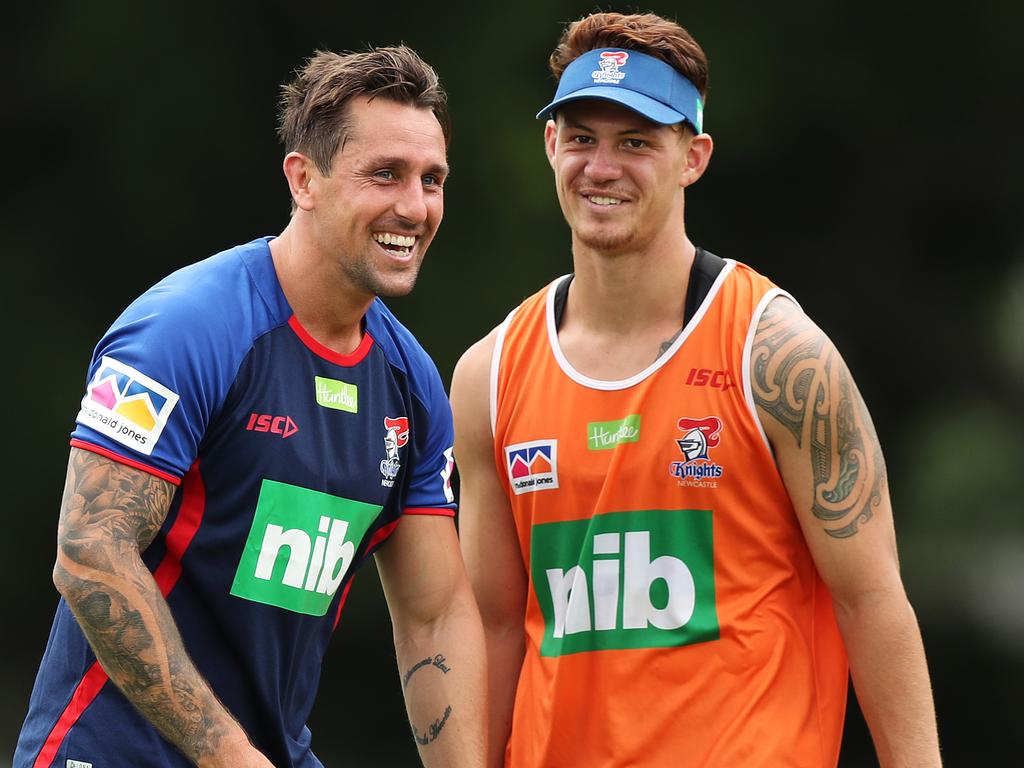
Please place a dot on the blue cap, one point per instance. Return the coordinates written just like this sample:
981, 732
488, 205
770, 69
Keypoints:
635, 80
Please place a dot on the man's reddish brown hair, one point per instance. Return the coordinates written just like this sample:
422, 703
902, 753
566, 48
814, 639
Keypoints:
644, 32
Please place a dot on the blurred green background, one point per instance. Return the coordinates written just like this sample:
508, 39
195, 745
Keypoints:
868, 159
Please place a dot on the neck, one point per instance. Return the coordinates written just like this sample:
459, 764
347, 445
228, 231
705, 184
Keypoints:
631, 291
324, 303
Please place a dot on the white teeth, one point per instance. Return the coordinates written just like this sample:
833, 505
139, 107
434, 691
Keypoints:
598, 200
387, 238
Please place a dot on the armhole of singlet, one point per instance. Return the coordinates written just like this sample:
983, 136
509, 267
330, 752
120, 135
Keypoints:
748, 346
499, 343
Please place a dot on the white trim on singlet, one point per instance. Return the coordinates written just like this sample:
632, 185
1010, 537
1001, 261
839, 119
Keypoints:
663, 358
499, 342
748, 346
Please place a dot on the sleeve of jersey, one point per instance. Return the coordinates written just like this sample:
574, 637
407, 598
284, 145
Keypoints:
430, 490
154, 380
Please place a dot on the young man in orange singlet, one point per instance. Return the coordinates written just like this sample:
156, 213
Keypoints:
674, 505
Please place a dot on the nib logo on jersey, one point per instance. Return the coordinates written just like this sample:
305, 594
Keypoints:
532, 466
642, 579
301, 545
697, 470
126, 405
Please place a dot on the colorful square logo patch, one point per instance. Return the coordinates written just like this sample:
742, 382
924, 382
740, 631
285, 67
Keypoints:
127, 406
532, 466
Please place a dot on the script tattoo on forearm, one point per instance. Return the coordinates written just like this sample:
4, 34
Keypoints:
110, 514
799, 378
430, 734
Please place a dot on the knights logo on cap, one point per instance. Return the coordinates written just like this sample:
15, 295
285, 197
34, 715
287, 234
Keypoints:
610, 63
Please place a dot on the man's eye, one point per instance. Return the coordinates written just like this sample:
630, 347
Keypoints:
431, 181
582, 140
385, 174
636, 143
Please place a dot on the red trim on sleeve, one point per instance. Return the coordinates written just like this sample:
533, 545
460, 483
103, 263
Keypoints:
180, 535
440, 511
352, 358
76, 443
88, 689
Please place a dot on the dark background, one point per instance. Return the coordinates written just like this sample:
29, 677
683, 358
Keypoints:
868, 159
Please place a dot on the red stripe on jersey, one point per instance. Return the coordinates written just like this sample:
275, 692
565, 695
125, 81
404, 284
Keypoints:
341, 603
352, 358
190, 515
76, 443
87, 690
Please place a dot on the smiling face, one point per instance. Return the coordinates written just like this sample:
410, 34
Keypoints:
619, 176
379, 209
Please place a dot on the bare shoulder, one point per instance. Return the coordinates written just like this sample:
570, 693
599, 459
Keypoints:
471, 379
816, 421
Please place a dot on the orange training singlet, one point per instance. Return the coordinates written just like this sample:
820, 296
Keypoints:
674, 616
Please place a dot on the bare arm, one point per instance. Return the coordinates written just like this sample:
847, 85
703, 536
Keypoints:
438, 640
489, 543
109, 515
831, 462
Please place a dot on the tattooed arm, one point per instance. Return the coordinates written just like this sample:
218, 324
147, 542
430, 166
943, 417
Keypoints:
831, 462
438, 640
109, 515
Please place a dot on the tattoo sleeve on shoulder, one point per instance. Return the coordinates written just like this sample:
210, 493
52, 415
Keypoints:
111, 512
800, 380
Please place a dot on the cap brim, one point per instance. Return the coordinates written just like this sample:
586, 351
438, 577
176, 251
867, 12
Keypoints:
650, 108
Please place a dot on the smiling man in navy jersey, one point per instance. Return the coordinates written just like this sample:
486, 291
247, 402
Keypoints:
254, 427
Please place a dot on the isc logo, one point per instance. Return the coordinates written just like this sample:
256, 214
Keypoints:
705, 377
300, 547
644, 579
278, 425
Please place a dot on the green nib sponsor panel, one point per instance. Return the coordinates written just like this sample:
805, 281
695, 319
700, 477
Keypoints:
642, 579
301, 545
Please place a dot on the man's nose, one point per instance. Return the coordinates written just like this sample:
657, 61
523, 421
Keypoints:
412, 203
603, 165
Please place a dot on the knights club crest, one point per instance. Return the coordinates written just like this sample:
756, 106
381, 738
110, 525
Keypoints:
699, 439
396, 434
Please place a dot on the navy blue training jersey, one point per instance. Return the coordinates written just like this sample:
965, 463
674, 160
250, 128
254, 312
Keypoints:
293, 464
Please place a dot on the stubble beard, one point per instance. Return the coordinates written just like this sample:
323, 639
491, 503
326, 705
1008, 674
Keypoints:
365, 276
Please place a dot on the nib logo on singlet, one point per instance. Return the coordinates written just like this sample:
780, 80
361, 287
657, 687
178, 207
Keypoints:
300, 547
642, 579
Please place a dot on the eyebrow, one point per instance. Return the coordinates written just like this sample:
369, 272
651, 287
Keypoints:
581, 126
400, 163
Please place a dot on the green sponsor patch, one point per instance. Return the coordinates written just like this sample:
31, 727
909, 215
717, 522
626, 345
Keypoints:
642, 579
301, 545
605, 435
332, 393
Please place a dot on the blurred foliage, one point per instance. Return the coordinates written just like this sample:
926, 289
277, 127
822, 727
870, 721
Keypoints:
867, 159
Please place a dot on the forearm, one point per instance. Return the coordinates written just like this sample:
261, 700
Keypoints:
505, 648
130, 628
442, 664
890, 675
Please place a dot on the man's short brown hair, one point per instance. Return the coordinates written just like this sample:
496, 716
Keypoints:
313, 111
644, 32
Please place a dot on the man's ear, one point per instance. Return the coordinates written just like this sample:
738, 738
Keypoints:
698, 155
300, 170
550, 134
